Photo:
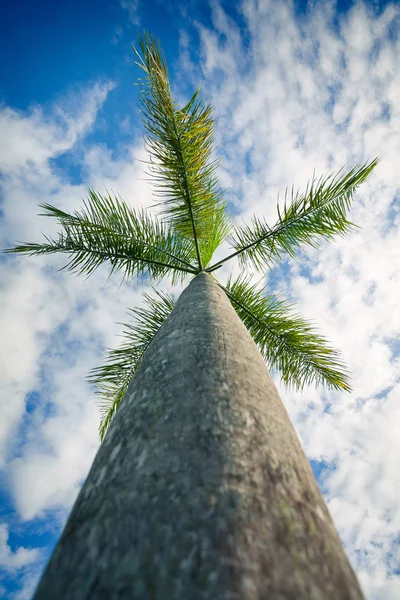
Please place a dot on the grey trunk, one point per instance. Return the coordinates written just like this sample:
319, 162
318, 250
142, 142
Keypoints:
200, 490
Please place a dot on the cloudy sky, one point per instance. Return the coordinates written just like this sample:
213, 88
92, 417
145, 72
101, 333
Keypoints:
297, 88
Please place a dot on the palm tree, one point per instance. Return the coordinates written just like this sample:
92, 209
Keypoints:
200, 488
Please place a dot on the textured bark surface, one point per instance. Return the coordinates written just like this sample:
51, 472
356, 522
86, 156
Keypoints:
200, 489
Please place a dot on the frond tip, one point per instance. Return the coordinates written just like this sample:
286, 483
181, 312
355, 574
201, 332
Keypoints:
286, 341
113, 378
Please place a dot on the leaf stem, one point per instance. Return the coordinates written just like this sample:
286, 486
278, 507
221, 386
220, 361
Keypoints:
43, 249
184, 262
186, 190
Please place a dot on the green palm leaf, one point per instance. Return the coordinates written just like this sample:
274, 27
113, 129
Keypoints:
287, 342
108, 230
180, 144
319, 213
112, 379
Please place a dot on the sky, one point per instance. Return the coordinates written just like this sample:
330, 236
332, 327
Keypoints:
297, 88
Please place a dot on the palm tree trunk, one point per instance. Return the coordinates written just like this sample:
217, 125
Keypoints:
200, 490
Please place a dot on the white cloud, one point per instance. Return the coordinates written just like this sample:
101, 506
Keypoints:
13, 560
126, 177
132, 7
117, 36
31, 307
34, 138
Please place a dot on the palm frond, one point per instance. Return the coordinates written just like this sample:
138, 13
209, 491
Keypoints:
319, 213
180, 144
112, 379
287, 342
108, 230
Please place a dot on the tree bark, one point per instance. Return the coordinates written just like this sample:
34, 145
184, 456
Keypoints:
200, 490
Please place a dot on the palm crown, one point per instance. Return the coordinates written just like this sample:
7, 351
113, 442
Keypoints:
182, 241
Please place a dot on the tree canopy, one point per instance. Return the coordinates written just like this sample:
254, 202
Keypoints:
182, 240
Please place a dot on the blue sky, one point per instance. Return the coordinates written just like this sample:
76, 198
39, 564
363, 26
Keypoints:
296, 88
